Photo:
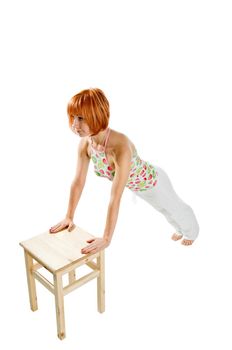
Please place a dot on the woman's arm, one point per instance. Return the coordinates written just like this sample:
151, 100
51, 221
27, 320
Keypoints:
122, 170
76, 187
79, 179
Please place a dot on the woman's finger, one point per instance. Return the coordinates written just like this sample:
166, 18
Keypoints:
87, 249
94, 250
70, 227
55, 227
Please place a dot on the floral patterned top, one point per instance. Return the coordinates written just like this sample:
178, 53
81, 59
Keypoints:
142, 177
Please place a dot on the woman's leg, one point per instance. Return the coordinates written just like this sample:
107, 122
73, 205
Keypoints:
179, 214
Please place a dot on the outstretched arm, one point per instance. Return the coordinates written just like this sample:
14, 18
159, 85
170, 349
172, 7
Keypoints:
76, 188
122, 170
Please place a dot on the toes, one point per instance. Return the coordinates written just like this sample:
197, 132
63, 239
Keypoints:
176, 236
187, 242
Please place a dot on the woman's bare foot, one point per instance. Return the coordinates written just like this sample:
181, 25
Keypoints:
176, 236
187, 241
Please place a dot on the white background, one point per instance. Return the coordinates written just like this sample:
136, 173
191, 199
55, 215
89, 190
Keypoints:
165, 67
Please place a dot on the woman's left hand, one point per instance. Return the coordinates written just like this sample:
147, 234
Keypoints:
96, 244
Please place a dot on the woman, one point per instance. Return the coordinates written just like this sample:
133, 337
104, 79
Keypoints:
115, 157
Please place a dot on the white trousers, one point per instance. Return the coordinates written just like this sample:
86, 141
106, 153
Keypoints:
164, 199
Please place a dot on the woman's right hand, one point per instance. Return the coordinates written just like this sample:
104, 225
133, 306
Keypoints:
66, 223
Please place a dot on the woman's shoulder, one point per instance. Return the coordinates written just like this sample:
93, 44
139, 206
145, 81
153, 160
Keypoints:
83, 147
117, 137
119, 141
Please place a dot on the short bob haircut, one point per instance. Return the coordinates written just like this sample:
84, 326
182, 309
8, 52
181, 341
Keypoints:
93, 106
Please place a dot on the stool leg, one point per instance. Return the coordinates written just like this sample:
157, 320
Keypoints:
59, 299
72, 276
101, 282
31, 281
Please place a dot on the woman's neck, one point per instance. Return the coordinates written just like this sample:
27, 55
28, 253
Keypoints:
99, 138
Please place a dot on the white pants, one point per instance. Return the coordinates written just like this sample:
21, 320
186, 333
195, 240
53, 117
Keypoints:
163, 198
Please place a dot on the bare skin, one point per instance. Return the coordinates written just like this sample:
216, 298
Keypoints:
176, 236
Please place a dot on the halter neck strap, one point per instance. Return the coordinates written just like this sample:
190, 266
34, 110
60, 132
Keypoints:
106, 138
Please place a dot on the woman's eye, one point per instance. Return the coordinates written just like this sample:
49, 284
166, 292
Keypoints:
79, 119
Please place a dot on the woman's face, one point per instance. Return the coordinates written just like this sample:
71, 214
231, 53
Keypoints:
80, 127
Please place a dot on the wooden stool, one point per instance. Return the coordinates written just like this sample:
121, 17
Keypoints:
60, 253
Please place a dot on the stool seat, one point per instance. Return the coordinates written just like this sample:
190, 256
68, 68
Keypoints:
60, 253
58, 250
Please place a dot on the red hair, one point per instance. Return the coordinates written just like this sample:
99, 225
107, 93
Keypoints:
93, 106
